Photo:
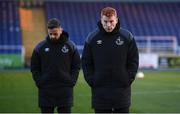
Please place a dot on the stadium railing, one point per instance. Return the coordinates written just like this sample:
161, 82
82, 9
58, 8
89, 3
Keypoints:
157, 44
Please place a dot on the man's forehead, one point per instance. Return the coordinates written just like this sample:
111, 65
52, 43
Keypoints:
109, 18
54, 30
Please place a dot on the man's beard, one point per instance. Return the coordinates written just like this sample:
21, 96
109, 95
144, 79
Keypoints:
54, 40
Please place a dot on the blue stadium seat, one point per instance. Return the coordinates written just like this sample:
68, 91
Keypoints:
142, 19
10, 38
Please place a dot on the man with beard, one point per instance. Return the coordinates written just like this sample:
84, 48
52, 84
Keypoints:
110, 62
55, 66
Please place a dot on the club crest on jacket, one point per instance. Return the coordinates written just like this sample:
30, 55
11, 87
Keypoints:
119, 41
65, 49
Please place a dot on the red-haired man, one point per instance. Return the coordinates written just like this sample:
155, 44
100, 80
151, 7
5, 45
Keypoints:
110, 61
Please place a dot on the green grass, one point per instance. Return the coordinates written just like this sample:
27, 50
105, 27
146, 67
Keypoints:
158, 92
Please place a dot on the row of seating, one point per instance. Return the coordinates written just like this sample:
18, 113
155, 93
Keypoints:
80, 18
10, 35
142, 19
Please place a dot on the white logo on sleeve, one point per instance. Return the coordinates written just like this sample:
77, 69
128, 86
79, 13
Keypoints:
46, 49
99, 41
119, 41
65, 49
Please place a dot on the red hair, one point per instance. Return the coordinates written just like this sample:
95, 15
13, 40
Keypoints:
108, 11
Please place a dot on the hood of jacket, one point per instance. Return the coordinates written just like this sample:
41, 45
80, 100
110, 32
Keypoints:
63, 38
116, 29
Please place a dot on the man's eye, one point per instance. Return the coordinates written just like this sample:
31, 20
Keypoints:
55, 34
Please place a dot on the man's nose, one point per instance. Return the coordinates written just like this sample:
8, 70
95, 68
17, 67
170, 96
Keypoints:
52, 36
108, 24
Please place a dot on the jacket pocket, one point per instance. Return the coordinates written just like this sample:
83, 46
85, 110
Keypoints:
121, 78
65, 78
102, 79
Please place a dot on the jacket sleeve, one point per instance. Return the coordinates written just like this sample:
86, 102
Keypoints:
132, 59
75, 66
36, 67
87, 64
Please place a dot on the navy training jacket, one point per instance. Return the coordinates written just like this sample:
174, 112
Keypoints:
110, 62
55, 67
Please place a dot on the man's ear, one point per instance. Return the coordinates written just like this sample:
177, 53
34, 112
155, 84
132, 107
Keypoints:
61, 29
117, 19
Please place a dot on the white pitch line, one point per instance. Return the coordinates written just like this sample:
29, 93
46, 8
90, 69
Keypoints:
156, 92
87, 95
143, 93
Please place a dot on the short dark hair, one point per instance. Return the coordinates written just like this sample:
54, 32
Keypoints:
53, 23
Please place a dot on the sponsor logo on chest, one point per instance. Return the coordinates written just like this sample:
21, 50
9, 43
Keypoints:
64, 49
99, 42
118, 42
46, 49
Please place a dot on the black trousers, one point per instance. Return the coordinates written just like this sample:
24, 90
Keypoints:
59, 109
113, 110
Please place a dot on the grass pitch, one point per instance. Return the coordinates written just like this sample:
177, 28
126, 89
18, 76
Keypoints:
158, 91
